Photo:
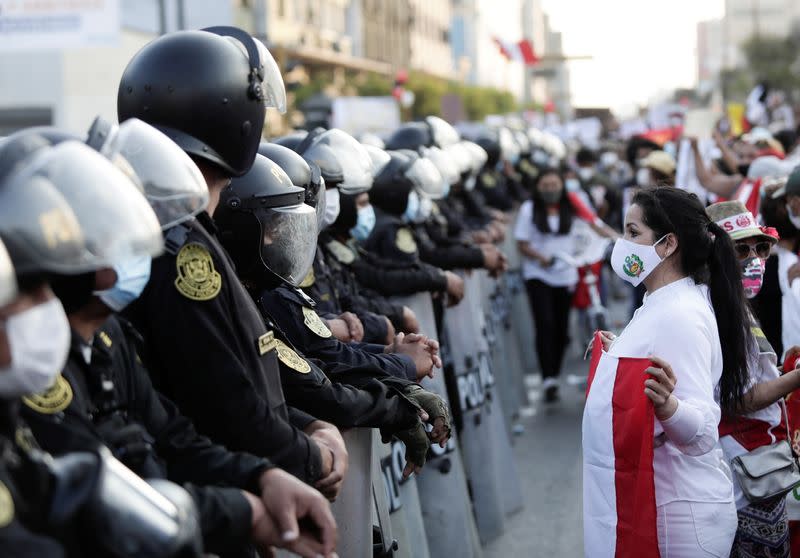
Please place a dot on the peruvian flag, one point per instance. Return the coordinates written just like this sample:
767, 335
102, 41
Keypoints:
521, 51
582, 206
619, 500
749, 193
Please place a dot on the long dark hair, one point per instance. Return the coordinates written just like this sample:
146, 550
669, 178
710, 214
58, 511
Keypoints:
707, 256
565, 211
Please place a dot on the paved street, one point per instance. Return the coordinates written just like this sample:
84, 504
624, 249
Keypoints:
548, 456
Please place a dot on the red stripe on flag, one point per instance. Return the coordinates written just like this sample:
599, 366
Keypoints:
597, 352
528, 55
749, 193
502, 46
632, 420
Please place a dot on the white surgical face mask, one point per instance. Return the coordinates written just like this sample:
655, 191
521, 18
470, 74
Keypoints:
795, 219
39, 340
585, 173
412, 207
634, 262
331, 207
132, 277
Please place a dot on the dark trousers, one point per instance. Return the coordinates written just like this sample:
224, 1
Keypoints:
550, 307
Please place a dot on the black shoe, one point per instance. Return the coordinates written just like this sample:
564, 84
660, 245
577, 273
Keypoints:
551, 394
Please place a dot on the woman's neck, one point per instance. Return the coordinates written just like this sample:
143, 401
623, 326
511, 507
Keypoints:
662, 277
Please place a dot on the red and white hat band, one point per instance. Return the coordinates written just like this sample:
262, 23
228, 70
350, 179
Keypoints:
734, 223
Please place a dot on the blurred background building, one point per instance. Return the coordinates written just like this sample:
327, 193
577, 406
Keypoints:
326, 48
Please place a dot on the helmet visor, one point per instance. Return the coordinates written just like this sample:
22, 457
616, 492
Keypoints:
353, 157
8, 281
117, 222
172, 182
289, 240
379, 159
478, 156
427, 178
272, 84
443, 133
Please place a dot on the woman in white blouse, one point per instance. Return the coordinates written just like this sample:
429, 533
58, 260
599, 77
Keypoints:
693, 325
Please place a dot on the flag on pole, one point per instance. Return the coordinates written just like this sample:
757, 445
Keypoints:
521, 51
619, 500
749, 193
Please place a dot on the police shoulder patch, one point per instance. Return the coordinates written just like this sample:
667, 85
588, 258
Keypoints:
404, 241
313, 322
54, 400
6, 505
266, 343
308, 280
197, 279
488, 180
104, 337
341, 252
291, 358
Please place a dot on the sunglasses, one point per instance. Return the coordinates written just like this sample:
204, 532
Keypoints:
761, 249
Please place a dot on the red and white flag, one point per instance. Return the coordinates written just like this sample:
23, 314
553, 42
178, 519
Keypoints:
749, 193
619, 500
521, 51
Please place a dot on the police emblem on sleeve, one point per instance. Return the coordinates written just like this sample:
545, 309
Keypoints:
54, 400
313, 322
6, 505
341, 252
197, 279
488, 180
633, 266
291, 358
404, 241
308, 280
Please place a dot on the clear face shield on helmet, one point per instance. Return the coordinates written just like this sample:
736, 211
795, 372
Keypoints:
510, 150
8, 280
478, 156
172, 183
288, 240
443, 133
379, 159
271, 87
116, 220
353, 158
316, 196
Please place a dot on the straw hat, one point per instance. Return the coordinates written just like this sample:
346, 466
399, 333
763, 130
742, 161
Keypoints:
734, 218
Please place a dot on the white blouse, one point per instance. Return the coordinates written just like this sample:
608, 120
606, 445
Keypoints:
676, 323
559, 273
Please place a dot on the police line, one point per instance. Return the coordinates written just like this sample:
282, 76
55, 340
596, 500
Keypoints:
461, 499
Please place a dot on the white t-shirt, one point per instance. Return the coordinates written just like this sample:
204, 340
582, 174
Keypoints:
560, 273
790, 299
677, 323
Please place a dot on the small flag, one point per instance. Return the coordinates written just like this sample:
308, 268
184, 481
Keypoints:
749, 193
619, 498
521, 51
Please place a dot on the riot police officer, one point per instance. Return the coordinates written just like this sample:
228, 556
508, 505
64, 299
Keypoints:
207, 347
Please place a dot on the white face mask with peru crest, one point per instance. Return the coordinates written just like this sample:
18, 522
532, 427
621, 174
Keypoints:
634, 262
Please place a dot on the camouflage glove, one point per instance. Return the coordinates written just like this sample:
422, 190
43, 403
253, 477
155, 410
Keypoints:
417, 445
436, 409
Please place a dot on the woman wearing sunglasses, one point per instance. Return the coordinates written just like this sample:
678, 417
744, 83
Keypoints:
763, 528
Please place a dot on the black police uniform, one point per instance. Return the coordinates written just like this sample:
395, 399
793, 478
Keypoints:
472, 206
209, 352
25, 495
445, 252
355, 398
295, 314
111, 401
494, 187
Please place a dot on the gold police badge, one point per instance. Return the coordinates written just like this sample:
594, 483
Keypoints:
341, 252
315, 323
197, 279
404, 241
308, 280
6, 505
488, 180
54, 400
291, 358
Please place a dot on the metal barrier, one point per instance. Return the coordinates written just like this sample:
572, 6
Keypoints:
442, 485
353, 507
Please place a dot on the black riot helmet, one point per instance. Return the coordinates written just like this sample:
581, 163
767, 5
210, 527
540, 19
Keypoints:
8, 279
325, 158
391, 187
266, 227
292, 141
301, 173
412, 135
207, 90
492, 147
353, 159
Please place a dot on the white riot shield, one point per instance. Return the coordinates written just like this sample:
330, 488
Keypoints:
353, 507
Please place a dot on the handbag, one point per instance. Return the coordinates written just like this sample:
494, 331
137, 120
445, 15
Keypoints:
769, 471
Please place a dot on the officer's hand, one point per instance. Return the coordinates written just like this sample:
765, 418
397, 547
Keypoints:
417, 350
417, 445
288, 502
340, 329
390, 331
455, 288
410, 321
354, 325
481, 237
436, 410
432, 344
331, 438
